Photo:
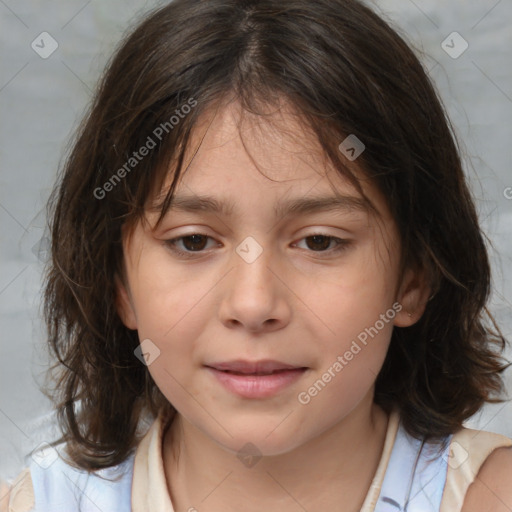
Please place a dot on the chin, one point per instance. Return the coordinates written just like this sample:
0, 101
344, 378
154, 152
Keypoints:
258, 437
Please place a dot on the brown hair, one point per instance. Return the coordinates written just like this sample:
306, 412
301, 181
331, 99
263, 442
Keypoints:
346, 72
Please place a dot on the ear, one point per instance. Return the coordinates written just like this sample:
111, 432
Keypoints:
124, 305
413, 295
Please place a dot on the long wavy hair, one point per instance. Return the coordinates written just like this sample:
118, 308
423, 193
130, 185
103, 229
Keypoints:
345, 71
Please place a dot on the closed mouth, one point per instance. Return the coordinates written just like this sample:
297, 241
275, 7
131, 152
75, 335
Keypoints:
258, 368
257, 374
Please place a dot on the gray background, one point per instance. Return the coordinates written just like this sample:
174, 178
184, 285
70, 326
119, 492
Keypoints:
41, 102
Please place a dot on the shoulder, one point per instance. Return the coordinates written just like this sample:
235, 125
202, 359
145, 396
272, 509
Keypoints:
18, 496
50, 483
61, 486
479, 472
492, 488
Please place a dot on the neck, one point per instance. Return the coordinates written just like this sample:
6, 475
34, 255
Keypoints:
336, 467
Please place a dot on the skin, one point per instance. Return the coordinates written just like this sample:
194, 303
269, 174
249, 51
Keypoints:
294, 303
491, 490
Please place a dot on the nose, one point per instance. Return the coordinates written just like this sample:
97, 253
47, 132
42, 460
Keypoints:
254, 296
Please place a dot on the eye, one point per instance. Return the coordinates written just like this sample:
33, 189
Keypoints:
320, 242
192, 243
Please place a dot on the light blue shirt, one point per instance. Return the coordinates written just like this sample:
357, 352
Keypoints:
414, 481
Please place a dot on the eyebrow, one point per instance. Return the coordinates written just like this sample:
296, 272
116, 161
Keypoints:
297, 206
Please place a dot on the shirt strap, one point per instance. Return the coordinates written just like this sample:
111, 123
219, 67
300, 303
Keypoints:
416, 475
373, 494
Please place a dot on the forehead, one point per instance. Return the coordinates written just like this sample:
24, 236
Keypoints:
235, 158
276, 141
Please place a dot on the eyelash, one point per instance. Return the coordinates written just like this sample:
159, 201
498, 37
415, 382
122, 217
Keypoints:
341, 244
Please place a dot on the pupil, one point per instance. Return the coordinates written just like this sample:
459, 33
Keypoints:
195, 239
319, 238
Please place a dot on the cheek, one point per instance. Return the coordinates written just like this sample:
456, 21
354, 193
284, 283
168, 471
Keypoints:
170, 301
356, 309
172, 309
351, 299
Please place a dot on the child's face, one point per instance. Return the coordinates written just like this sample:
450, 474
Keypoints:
300, 301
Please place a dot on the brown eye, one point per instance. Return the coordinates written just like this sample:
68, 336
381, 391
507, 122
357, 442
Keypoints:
194, 242
187, 245
319, 242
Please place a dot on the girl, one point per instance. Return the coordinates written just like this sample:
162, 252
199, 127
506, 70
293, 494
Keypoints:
264, 249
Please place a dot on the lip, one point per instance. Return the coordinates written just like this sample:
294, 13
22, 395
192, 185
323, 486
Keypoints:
258, 379
252, 367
